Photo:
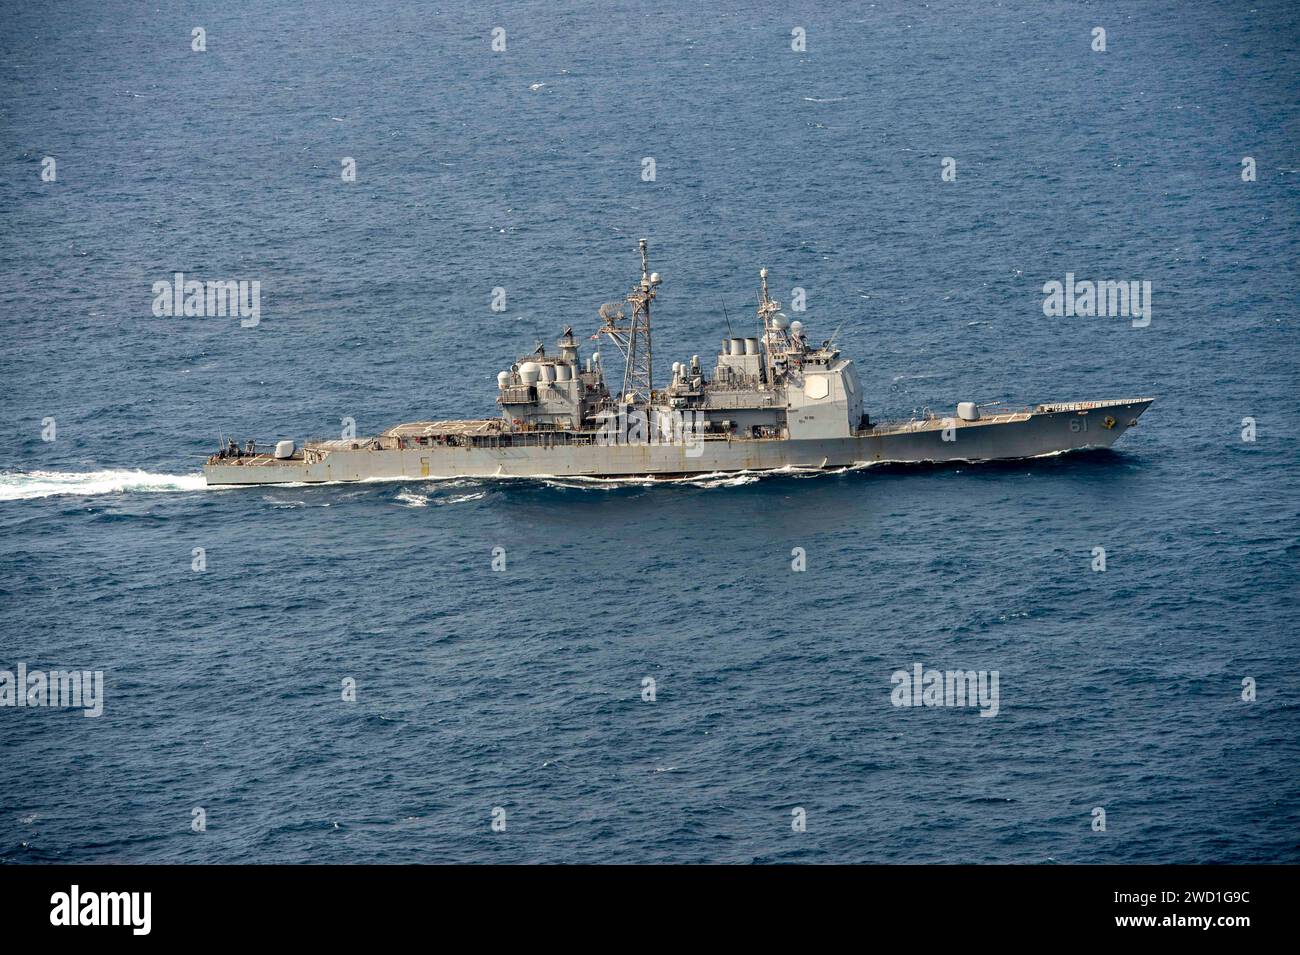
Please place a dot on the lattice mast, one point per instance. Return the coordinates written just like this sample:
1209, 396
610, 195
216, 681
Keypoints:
633, 338
776, 343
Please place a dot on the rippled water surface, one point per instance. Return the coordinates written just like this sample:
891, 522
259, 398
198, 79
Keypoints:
522, 688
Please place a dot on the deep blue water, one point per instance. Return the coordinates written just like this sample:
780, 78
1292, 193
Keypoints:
522, 689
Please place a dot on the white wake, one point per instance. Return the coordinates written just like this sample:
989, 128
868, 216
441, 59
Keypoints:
26, 485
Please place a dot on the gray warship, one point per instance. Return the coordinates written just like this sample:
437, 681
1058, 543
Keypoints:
776, 401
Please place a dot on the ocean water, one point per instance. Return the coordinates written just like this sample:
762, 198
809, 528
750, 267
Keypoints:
522, 689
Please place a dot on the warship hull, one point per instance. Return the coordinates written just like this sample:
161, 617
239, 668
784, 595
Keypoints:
1043, 430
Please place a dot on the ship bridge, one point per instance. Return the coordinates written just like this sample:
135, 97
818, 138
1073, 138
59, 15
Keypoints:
777, 385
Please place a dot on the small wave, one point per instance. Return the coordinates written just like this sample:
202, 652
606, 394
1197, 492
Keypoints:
280, 504
27, 485
725, 479
447, 484
463, 498
409, 498
920, 376
582, 483
828, 99
708, 479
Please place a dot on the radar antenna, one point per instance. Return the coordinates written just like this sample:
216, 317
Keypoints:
633, 338
830, 342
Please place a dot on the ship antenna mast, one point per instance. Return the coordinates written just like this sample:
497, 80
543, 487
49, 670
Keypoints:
774, 340
633, 339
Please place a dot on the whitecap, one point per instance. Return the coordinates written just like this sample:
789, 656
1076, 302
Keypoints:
462, 498
27, 485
